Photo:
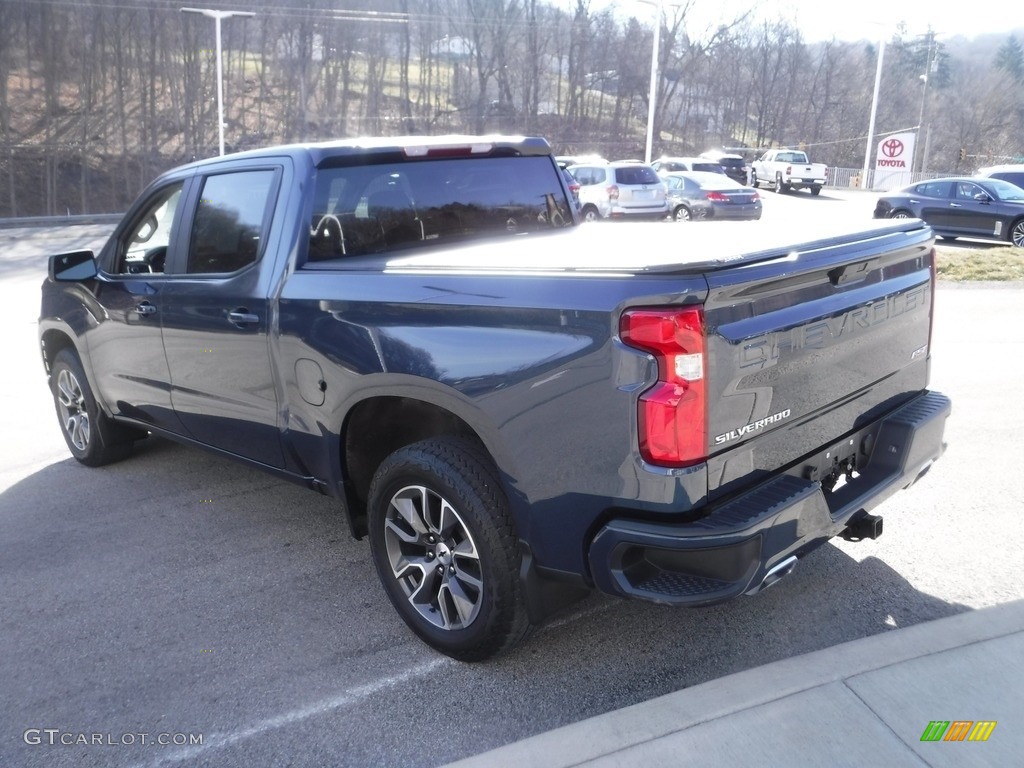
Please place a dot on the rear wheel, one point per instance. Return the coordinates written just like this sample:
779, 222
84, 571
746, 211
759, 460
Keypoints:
92, 437
590, 213
815, 190
780, 187
445, 548
900, 213
682, 213
1017, 233
753, 180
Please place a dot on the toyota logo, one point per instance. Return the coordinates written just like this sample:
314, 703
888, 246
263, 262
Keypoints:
892, 148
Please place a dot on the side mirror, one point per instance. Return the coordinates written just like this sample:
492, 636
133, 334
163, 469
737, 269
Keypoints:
982, 197
73, 267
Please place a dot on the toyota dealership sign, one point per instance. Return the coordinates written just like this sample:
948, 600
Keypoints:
894, 159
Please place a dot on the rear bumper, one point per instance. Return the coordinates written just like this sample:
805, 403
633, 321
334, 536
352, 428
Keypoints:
751, 540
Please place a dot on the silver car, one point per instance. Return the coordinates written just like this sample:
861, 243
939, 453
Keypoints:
698, 195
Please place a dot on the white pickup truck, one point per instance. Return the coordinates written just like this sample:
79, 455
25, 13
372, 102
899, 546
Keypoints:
788, 169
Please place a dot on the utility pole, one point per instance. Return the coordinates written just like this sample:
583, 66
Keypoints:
924, 100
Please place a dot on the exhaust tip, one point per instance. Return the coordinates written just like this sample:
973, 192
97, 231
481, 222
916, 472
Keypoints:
775, 574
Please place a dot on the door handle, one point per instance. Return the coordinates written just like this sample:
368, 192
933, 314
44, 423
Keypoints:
955, 205
145, 308
242, 317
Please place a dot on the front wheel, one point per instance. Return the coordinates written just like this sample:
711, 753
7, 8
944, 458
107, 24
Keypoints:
91, 436
445, 548
1017, 233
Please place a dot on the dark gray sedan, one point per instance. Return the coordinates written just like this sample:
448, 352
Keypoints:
990, 209
697, 195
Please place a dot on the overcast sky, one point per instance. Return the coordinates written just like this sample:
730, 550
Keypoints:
854, 19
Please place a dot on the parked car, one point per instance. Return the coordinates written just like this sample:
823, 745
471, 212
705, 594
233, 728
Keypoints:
672, 164
991, 209
1011, 173
620, 190
700, 195
733, 166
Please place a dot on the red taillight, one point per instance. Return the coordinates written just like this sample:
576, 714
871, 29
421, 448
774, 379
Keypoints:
574, 188
673, 412
718, 197
613, 192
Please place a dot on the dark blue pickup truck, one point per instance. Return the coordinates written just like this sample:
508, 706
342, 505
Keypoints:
514, 407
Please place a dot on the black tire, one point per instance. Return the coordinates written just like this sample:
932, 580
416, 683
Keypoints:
590, 213
682, 213
948, 238
815, 191
1017, 233
900, 213
445, 548
780, 188
753, 180
92, 437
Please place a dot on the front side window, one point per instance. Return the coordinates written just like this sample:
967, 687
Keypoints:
227, 231
144, 250
967, 191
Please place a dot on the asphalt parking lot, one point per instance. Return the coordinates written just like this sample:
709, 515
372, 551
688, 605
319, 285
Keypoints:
178, 597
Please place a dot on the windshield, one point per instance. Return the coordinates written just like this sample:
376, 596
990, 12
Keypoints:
1006, 191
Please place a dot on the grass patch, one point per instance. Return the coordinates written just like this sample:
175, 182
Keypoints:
1000, 262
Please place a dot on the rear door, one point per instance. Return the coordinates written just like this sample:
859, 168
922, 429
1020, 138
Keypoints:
216, 313
932, 199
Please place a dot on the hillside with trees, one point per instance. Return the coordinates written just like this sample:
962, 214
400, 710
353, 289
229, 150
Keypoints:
97, 98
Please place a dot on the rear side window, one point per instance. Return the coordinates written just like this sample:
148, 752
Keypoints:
227, 232
636, 174
381, 207
933, 189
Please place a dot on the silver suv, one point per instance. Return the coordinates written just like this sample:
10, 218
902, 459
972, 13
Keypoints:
1011, 173
620, 190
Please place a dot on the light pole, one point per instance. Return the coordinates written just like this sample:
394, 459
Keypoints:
217, 16
652, 97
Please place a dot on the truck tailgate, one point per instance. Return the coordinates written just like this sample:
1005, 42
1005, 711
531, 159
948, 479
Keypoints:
807, 348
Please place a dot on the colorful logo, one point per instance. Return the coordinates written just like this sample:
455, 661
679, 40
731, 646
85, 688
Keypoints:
958, 730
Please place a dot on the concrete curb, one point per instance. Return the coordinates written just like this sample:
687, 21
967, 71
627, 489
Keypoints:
624, 737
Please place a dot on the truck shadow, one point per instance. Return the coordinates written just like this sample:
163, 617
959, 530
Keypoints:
212, 596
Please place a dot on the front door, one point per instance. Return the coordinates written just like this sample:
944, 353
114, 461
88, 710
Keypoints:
126, 353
